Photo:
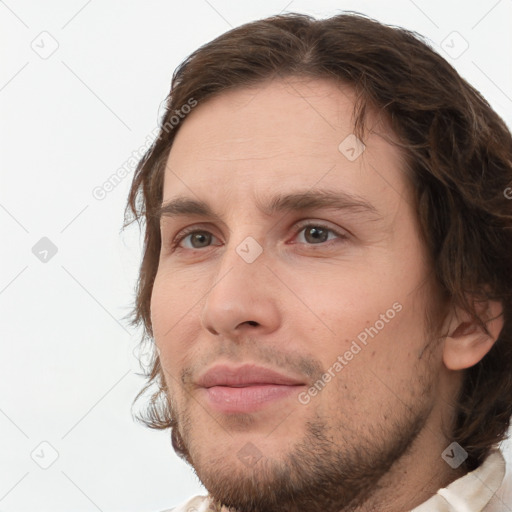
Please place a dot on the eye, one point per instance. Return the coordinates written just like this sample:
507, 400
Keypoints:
314, 234
199, 238
317, 234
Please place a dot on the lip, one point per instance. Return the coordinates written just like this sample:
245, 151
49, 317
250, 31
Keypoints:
245, 375
246, 388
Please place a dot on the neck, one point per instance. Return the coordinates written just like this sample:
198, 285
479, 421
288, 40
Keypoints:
418, 474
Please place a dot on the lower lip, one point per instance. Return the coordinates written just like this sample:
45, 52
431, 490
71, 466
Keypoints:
247, 399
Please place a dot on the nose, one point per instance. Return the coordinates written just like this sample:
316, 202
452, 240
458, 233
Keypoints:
243, 296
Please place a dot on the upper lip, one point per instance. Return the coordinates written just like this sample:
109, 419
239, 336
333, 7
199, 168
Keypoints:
245, 375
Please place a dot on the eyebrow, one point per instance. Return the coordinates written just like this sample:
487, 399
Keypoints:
293, 202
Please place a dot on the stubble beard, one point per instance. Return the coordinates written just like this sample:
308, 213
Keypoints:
317, 474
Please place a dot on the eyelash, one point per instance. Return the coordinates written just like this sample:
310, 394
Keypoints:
297, 228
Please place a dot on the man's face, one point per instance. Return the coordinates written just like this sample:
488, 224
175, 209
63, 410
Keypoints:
332, 298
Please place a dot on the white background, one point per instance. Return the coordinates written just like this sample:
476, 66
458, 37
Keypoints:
68, 122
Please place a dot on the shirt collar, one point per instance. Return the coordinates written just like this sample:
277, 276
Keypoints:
472, 492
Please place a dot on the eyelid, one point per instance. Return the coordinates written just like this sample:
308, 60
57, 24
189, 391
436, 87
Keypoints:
182, 234
342, 234
298, 226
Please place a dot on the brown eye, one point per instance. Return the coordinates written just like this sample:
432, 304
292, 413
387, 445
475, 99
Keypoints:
317, 234
198, 239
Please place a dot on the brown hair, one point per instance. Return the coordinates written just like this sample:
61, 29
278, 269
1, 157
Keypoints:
459, 157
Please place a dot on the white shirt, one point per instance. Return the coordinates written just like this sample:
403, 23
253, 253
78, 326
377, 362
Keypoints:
482, 490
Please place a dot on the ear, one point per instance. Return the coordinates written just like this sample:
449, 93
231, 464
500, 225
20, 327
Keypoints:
467, 343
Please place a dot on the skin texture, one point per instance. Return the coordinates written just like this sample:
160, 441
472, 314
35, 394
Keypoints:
372, 438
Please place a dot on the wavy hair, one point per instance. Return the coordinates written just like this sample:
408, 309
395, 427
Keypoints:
458, 153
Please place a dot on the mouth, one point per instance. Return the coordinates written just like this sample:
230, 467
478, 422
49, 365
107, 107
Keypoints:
246, 389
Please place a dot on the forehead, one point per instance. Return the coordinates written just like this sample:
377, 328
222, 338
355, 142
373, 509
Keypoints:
273, 135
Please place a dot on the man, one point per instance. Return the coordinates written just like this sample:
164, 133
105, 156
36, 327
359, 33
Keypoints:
327, 273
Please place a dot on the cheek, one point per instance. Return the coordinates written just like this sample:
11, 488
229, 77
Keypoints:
342, 302
171, 297
172, 302
378, 376
379, 328
162, 307
388, 368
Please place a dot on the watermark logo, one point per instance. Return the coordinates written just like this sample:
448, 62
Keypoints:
44, 455
178, 115
100, 192
454, 45
249, 455
454, 455
45, 45
351, 147
249, 249
44, 250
